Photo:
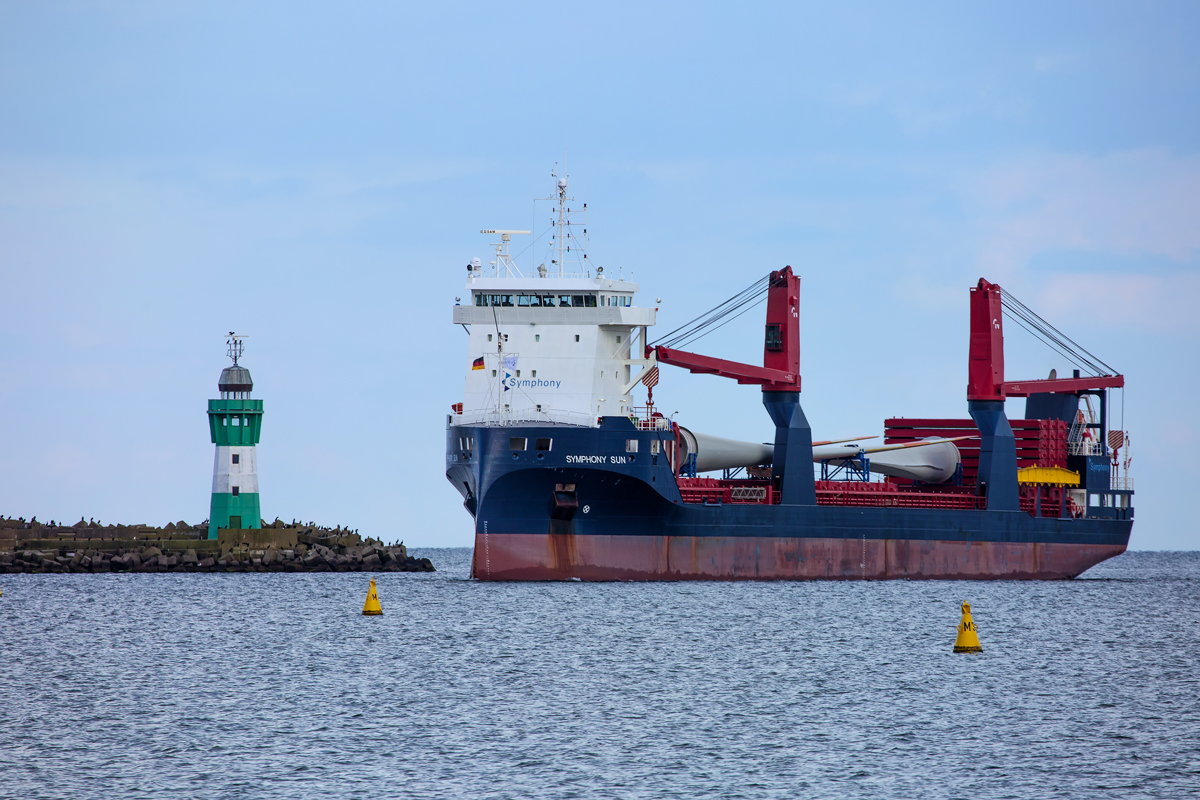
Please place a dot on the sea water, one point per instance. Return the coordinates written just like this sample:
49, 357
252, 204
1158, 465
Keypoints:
275, 686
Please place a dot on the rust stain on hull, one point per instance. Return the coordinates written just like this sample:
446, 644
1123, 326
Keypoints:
561, 556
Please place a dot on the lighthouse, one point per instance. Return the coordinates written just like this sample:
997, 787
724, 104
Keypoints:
235, 422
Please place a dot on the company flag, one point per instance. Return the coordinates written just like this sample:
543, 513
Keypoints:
509, 362
477, 363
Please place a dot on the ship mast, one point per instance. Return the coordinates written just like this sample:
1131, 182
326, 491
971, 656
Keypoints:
562, 221
564, 236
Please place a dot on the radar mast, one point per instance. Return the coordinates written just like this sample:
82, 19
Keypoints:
570, 226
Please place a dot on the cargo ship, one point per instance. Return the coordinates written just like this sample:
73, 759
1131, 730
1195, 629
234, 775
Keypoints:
567, 475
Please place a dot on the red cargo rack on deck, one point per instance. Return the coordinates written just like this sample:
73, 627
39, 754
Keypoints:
884, 495
712, 491
1040, 442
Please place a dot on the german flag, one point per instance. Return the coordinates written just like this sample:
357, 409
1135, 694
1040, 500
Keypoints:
477, 363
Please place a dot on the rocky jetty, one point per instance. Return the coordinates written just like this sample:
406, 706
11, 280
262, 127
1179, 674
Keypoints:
20, 529
179, 547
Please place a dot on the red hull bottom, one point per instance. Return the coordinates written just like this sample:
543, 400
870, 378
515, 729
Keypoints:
539, 557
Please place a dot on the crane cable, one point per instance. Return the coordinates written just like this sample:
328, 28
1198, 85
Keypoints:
1052, 336
726, 312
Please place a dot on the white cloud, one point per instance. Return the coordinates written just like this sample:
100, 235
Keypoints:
1144, 202
1139, 205
1151, 302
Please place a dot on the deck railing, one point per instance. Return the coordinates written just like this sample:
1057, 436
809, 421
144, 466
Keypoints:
492, 418
713, 491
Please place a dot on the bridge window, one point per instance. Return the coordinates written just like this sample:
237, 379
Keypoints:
590, 301
536, 301
577, 301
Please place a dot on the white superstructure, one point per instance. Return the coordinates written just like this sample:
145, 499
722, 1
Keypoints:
563, 347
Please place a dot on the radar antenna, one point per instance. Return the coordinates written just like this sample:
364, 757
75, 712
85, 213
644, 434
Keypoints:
235, 346
503, 258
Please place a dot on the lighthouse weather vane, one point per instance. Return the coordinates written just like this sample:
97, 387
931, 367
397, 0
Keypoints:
236, 346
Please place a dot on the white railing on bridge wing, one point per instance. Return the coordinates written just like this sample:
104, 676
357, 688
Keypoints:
1123, 483
646, 419
492, 418
652, 424
1086, 447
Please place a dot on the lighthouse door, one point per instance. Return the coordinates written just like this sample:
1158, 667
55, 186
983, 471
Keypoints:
235, 522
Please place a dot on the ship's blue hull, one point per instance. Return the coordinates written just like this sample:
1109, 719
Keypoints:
624, 518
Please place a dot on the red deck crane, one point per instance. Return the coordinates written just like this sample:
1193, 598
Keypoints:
985, 370
780, 371
779, 377
987, 389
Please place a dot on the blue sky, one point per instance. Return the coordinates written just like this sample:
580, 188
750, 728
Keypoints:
316, 175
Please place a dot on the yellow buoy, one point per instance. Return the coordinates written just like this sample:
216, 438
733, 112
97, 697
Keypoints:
968, 635
372, 607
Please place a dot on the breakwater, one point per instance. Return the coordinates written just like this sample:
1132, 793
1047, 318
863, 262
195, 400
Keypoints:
178, 547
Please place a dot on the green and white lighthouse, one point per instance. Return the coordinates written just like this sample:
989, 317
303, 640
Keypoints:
235, 422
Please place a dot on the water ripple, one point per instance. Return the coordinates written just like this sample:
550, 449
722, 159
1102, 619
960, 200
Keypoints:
274, 685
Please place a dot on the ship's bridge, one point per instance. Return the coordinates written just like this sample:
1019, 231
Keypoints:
555, 350
595, 301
